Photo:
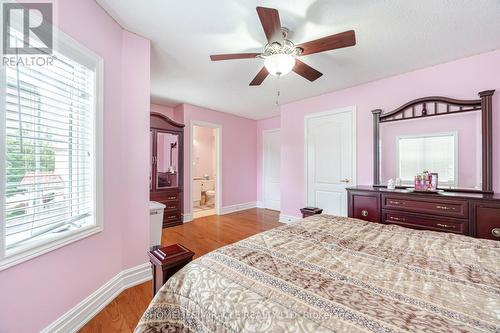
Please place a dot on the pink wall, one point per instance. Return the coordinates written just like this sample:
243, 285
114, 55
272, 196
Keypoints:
135, 152
49, 285
204, 157
239, 150
262, 125
461, 79
468, 129
163, 109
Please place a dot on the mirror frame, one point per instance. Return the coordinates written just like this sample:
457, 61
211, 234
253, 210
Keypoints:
161, 123
484, 104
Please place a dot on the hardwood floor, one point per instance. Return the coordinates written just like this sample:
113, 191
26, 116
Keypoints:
200, 236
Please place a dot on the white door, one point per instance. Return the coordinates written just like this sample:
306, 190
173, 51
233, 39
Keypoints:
271, 169
330, 157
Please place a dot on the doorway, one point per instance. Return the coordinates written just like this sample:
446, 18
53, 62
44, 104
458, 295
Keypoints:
271, 144
330, 159
205, 172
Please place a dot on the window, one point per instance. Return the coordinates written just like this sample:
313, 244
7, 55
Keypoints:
432, 152
50, 152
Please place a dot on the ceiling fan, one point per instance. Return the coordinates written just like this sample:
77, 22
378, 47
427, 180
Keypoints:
280, 54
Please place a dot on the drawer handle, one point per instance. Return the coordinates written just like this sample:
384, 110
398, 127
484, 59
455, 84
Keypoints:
364, 213
171, 217
395, 202
401, 219
171, 198
171, 207
448, 226
445, 207
495, 232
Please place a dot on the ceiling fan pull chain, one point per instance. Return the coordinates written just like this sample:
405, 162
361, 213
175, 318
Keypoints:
278, 92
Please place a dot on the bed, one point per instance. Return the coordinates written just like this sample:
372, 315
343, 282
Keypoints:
335, 274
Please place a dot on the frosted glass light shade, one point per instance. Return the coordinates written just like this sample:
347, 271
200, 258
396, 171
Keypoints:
279, 64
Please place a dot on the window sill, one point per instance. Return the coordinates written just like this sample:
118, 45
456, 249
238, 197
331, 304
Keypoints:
20, 255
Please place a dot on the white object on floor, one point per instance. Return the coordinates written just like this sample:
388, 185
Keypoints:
155, 222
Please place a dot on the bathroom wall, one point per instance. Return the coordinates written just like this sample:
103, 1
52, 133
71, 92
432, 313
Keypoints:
262, 125
461, 79
35, 293
204, 157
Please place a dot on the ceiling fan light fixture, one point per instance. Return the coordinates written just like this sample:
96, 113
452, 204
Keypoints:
279, 64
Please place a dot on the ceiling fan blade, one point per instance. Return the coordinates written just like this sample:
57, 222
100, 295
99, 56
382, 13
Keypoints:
259, 78
306, 71
218, 57
337, 41
270, 20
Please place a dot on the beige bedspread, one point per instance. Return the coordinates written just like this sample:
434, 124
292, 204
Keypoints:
332, 274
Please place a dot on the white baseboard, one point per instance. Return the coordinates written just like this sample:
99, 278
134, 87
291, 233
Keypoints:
79, 315
260, 204
238, 207
288, 218
187, 218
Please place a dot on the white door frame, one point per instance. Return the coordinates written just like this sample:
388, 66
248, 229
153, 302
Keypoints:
262, 180
352, 109
218, 163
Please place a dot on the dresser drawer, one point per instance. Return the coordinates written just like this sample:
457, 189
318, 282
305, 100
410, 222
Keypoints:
486, 219
170, 197
169, 218
171, 206
427, 222
426, 205
364, 206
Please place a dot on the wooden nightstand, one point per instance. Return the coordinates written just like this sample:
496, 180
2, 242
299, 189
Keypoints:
166, 262
308, 211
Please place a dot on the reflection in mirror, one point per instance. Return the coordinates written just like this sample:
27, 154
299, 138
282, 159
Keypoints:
167, 160
449, 145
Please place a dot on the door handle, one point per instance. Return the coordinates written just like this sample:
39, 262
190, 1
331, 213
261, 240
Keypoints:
345, 181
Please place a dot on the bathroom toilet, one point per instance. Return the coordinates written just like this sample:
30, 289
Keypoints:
208, 186
210, 197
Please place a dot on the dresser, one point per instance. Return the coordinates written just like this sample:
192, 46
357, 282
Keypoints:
167, 165
472, 214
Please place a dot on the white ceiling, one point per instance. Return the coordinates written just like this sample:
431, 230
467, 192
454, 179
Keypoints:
393, 36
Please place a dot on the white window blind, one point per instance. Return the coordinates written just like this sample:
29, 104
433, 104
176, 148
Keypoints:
433, 152
50, 149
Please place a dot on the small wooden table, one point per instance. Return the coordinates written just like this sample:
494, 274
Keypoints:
309, 211
166, 262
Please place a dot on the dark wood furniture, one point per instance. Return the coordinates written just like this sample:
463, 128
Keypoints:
472, 214
166, 261
167, 165
429, 107
309, 211
469, 212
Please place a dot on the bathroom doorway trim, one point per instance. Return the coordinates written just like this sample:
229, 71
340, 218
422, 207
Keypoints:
218, 163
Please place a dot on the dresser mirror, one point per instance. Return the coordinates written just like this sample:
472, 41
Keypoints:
441, 135
449, 145
167, 163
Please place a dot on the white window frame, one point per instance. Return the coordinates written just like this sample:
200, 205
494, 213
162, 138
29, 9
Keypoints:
79, 53
431, 135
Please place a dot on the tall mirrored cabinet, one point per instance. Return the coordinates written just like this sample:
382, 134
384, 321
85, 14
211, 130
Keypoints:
166, 168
